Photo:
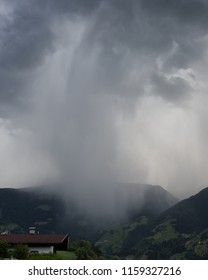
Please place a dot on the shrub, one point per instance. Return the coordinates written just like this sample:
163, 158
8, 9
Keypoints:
21, 252
4, 249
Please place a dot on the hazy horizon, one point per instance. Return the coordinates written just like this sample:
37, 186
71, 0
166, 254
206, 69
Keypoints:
104, 90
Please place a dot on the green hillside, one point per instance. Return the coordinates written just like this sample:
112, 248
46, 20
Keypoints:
22, 208
181, 232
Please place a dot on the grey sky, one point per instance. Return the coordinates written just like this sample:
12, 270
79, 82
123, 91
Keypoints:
97, 90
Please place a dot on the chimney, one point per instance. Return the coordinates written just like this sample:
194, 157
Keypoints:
32, 230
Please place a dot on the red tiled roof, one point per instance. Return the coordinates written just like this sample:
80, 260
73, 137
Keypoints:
33, 238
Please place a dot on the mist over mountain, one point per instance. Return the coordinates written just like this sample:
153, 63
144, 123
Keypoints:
51, 212
114, 199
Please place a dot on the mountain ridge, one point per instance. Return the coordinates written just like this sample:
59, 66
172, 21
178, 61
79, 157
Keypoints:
51, 211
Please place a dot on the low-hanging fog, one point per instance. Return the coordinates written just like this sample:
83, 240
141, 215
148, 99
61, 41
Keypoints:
104, 90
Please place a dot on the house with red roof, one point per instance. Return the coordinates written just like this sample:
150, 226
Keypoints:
38, 243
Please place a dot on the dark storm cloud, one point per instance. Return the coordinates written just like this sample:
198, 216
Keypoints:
125, 31
170, 88
74, 72
189, 12
71, 6
183, 22
140, 32
25, 40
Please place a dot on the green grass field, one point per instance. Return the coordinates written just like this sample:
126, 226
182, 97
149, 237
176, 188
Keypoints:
66, 255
